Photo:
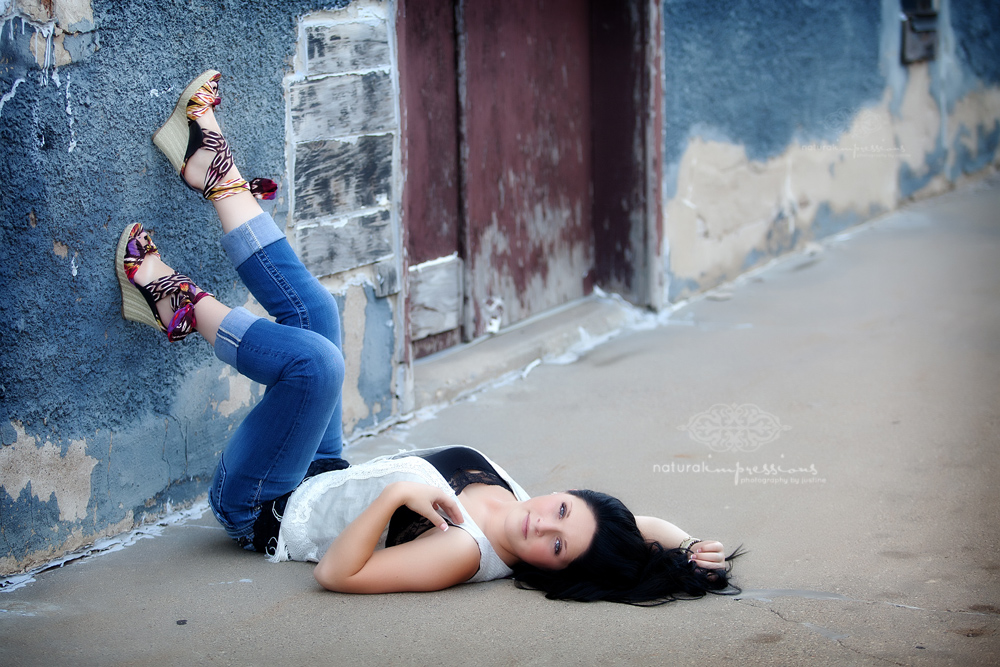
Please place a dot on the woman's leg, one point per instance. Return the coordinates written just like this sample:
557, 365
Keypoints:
271, 270
297, 358
272, 449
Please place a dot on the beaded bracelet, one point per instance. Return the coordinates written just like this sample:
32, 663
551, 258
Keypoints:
687, 543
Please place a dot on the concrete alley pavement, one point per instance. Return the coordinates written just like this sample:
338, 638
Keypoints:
861, 381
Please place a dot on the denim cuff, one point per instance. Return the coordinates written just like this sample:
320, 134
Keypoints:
254, 234
234, 326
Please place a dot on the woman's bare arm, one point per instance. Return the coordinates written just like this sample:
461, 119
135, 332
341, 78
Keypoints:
705, 553
352, 565
658, 530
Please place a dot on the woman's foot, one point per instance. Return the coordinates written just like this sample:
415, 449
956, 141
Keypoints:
210, 169
192, 140
151, 269
145, 280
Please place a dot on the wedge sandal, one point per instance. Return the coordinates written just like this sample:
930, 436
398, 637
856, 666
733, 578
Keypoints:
139, 301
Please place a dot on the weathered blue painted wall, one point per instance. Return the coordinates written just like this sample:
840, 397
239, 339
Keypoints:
126, 421
765, 73
971, 49
751, 87
976, 24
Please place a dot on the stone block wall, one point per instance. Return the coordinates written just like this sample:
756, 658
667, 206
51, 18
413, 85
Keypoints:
344, 211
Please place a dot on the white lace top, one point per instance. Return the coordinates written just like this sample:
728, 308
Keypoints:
324, 505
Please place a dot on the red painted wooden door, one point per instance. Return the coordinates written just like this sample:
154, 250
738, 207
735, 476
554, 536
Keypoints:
524, 84
527, 156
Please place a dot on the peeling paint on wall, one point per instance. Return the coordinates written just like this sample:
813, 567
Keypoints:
62, 31
730, 208
974, 130
353, 311
48, 472
524, 82
114, 424
945, 147
369, 391
240, 392
554, 274
734, 201
918, 125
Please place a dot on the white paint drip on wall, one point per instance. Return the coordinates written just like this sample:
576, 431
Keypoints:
9, 95
39, 133
72, 132
434, 262
339, 221
382, 69
45, 58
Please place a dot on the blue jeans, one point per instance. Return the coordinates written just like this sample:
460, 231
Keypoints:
298, 359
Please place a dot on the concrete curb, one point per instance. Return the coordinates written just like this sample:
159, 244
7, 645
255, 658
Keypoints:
448, 375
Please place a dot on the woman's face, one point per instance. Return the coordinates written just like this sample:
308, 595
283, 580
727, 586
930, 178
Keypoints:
550, 532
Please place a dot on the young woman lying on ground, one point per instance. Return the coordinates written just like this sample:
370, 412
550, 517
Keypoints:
419, 521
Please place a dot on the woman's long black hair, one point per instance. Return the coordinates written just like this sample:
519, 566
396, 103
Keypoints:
621, 566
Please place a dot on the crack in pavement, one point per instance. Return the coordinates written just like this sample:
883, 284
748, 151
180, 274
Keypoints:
766, 595
830, 634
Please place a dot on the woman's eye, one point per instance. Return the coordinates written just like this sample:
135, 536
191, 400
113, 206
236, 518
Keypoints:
562, 510
558, 546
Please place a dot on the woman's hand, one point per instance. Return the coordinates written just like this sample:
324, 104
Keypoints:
427, 501
708, 554
353, 565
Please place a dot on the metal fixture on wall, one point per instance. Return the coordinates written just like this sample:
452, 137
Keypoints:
919, 24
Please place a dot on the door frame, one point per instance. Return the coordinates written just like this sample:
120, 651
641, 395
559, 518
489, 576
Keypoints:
629, 255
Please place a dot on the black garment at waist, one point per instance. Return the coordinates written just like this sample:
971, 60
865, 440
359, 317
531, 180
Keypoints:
461, 466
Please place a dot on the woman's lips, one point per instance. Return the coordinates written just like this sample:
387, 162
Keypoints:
524, 528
